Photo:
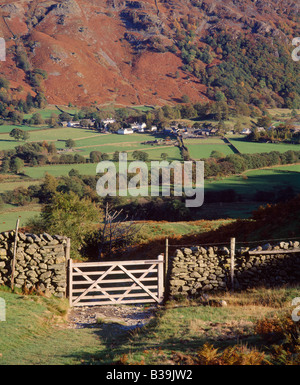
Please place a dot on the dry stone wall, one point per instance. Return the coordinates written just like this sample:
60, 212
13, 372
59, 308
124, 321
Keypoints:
41, 262
199, 269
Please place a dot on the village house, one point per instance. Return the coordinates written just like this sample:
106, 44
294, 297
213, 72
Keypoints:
108, 121
139, 127
246, 131
125, 131
73, 124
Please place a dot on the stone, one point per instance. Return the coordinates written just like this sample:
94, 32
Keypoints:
47, 237
195, 275
207, 287
44, 276
178, 253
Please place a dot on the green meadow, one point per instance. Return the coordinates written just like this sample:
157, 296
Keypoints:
9, 215
268, 179
202, 151
252, 147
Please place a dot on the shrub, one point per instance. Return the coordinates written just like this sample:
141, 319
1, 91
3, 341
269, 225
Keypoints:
277, 329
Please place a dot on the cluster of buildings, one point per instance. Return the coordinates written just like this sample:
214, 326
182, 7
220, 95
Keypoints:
134, 127
187, 132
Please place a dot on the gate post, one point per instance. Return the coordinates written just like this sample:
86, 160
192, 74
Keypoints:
160, 283
70, 281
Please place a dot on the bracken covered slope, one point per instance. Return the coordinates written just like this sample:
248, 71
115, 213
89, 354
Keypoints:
132, 52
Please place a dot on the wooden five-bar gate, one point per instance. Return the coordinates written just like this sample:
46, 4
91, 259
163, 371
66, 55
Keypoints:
116, 282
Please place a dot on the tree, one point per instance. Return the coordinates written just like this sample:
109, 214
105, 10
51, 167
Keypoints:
104, 156
95, 156
116, 156
70, 143
4, 83
5, 166
16, 165
48, 188
37, 119
164, 156
217, 154
264, 121
71, 216
140, 155
18, 134
26, 136
115, 231
185, 99
64, 117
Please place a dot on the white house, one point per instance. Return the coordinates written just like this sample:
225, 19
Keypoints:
246, 131
140, 127
153, 128
108, 121
125, 131
74, 124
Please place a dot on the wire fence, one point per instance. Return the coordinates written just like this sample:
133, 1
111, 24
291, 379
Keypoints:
237, 242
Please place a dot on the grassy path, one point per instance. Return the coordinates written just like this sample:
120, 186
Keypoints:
35, 330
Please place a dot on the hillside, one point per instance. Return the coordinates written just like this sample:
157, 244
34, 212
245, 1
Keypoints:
152, 52
270, 222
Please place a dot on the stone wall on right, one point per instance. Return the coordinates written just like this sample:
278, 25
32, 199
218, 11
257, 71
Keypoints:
198, 269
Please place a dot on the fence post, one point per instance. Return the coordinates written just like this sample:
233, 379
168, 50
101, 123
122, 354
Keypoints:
232, 261
68, 248
160, 283
166, 259
14, 257
70, 281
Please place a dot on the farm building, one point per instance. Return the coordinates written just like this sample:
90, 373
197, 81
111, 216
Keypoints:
74, 124
125, 131
108, 121
140, 127
246, 131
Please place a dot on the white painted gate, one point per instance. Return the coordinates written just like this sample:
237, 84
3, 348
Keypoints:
116, 282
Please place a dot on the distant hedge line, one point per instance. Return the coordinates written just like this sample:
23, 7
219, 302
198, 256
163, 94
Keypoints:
238, 163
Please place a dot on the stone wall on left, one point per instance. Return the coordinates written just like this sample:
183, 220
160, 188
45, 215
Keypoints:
40, 262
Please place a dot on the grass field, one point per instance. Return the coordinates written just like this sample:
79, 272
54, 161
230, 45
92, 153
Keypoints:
255, 180
9, 186
51, 109
4, 129
35, 331
60, 170
252, 148
202, 151
10, 214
